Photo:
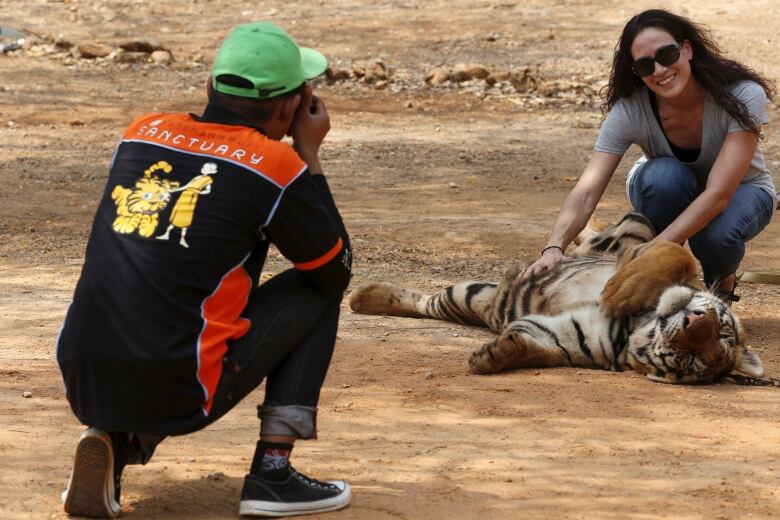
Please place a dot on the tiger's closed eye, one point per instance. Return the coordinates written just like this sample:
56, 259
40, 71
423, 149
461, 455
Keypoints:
726, 331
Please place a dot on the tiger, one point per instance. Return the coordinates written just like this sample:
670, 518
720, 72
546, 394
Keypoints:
137, 209
622, 302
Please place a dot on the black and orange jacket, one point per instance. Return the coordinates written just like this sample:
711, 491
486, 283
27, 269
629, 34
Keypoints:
176, 249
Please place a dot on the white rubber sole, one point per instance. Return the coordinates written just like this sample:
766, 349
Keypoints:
751, 276
279, 509
90, 491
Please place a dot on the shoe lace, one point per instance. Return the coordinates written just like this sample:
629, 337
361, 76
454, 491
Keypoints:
310, 481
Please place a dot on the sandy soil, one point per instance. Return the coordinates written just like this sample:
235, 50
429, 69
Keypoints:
437, 185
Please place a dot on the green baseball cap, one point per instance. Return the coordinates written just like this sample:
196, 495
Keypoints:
265, 56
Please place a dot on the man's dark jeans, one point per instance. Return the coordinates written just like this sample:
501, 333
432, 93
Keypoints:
290, 342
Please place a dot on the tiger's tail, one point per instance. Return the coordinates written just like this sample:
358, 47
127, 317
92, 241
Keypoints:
468, 303
388, 300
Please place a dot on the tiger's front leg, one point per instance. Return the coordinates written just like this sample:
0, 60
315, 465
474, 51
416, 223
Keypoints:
578, 338
644, 273
514, 349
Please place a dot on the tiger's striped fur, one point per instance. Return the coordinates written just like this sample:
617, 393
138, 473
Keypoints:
642, 308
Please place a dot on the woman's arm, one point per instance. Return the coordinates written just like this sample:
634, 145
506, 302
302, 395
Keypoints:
583, 198
576, 210
728, 171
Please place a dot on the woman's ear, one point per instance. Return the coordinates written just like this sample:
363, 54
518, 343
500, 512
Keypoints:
687, 50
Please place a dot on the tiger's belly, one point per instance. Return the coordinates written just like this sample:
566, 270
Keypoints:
578, 284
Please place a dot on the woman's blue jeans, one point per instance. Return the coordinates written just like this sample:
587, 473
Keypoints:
662, 188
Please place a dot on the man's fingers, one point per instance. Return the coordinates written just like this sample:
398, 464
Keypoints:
320, 104
306, 101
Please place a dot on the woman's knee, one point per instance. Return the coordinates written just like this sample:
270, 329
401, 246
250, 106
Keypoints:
661, 189
720, 250
713, 239
667, 177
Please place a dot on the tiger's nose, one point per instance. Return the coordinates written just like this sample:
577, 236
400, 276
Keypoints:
691, 318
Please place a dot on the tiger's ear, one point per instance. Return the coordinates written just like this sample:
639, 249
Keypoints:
749, 363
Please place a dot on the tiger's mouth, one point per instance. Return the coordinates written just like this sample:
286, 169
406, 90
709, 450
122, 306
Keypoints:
144, 211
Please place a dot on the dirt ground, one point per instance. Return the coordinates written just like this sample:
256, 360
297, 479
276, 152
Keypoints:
437, 184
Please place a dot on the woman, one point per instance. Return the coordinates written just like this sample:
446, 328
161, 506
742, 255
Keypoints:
697, 117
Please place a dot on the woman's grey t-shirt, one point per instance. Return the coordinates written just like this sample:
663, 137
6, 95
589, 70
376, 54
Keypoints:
631, 121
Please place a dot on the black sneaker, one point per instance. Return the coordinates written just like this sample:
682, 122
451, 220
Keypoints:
292, 494
92, 489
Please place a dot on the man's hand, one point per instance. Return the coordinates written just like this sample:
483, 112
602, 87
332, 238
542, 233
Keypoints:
309, 128
544, 263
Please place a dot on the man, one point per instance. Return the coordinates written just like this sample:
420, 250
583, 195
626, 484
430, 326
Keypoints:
164, 336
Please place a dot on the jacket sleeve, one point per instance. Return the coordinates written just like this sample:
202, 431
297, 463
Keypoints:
309, 231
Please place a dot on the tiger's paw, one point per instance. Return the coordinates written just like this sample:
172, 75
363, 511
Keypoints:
147, 226
124, 225
648, 271
120, 194
502, 353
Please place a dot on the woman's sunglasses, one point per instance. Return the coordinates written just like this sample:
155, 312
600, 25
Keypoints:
666, 55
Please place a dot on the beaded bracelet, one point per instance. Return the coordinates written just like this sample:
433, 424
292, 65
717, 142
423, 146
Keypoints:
553, 247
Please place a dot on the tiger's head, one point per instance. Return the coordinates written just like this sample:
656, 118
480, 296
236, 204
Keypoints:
693, 338
150, 196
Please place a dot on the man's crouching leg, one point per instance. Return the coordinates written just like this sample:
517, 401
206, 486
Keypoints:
273, 487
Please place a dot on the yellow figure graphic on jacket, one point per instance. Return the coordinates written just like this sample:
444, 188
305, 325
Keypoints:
184, 210
137, 209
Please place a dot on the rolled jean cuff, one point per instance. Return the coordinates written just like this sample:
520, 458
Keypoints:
141, 447
296, 420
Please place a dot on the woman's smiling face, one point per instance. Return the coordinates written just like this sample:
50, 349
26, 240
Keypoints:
666, 81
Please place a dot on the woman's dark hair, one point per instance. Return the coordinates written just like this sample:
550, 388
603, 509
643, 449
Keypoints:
714, 72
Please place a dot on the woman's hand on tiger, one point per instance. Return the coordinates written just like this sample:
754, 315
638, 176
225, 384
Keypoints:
544, 263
